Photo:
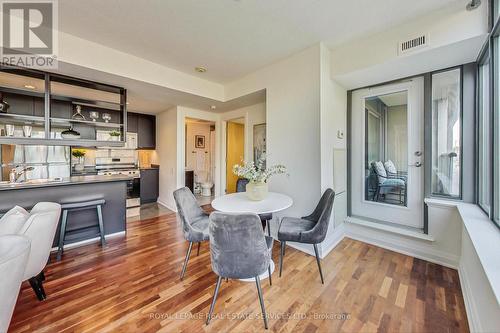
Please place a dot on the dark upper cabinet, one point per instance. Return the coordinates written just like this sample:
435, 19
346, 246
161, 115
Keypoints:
132, 122
146, 131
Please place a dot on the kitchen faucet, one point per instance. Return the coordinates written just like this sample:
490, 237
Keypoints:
14, 175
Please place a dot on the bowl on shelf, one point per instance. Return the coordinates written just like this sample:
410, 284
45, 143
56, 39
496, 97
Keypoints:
106, 117
94, 115
70, 134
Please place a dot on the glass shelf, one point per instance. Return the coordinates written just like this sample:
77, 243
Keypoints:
46, 102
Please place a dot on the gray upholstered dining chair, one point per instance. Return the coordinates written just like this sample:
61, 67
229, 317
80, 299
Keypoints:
241, 185
309, 229
194, 221
239, 250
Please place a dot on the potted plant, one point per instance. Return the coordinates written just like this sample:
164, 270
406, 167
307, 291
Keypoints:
80, 155
257, 175
115, 135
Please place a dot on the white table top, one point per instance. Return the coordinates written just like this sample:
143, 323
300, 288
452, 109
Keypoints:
239, 203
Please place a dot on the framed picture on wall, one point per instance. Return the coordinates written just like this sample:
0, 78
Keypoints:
259, 141
199, 141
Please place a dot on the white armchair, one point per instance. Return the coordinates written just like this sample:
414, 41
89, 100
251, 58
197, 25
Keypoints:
40, 228
14, 251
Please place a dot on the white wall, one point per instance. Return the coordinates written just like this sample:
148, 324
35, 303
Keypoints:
455, 37
333, 106
293, 123
167, 153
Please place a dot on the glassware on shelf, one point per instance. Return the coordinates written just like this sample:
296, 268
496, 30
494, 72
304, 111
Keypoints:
94, 115
10, 129
27, 129
106, 117
78, 114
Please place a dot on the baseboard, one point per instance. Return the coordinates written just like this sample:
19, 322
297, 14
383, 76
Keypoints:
470, 305
338, 236
166, 205
431, 255
89, 241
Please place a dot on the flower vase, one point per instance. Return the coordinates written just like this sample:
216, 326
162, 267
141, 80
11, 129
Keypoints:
257, 191
80, 166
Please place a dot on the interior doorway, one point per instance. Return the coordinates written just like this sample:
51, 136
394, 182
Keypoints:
200, 158
235, 150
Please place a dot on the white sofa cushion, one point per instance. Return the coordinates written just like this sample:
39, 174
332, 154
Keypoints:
13, 221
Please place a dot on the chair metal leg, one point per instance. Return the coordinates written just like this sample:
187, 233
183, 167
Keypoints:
269, 272
261, 299
186, 260
268, 227
101, 225
212, 306
62, 233
282, 253
318, 261
198, 252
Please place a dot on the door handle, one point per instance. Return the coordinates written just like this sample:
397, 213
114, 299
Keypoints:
418, 153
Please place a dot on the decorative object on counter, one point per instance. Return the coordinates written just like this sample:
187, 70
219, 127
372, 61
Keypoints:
115, 135
78, 113
10, 129
106, 117
80, 155
70, 134
4, 106
94, 115
199, 141
258, 175
27, 129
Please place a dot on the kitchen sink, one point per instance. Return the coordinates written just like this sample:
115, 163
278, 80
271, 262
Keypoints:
31, 182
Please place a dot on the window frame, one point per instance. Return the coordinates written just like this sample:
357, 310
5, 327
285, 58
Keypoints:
458, 197
492, 52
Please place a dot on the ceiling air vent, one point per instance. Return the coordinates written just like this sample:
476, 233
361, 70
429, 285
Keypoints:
413, 44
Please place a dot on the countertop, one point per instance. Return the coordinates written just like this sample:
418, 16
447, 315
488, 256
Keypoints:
74, 180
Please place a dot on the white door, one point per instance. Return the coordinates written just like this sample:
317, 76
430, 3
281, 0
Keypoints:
387, 153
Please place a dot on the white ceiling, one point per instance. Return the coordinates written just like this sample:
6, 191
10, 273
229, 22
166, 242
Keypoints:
230, 38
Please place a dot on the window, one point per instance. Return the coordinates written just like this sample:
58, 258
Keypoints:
496, 134
446, 134
484, 148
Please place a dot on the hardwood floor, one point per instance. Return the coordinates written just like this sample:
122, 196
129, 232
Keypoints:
133, 286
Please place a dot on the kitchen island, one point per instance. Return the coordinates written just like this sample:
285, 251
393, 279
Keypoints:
82, 225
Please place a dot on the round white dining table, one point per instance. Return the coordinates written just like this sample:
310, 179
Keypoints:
240, 203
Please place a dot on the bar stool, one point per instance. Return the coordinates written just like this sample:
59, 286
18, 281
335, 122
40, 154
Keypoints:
75, 206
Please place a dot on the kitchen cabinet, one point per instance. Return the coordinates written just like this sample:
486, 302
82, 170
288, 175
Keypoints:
145, 127
150, 180
132, 119
146, 132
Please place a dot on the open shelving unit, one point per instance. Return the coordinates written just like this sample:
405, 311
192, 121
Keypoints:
44, 104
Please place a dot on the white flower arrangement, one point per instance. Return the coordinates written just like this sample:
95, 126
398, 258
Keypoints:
258, 173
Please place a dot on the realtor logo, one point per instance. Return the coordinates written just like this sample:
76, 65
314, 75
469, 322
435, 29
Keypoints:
29, 33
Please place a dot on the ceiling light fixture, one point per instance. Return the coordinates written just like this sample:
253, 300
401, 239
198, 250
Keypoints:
474, 4
213, 107
29, 86
200, 69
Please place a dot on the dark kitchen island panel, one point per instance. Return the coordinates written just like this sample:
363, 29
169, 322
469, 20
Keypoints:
82, 225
